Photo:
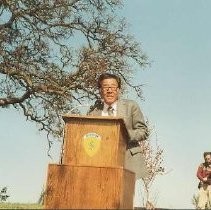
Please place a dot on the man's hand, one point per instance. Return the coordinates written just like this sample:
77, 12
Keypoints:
204, 179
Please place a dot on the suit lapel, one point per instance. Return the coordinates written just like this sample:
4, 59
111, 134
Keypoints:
121, 108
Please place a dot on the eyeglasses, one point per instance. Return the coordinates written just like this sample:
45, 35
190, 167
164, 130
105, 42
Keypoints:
114, 88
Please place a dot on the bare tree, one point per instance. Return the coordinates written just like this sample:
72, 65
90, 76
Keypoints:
153, 155
52, 51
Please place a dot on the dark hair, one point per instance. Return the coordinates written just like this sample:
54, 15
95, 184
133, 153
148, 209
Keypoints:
108, 76
206, 153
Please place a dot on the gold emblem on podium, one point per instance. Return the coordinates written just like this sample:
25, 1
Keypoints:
91, 143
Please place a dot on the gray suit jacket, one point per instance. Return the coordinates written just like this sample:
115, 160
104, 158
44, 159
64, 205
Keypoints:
137, 130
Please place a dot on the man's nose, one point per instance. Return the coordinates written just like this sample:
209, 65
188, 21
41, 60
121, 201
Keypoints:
109, 90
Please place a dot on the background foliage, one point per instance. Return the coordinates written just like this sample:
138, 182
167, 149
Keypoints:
52, 51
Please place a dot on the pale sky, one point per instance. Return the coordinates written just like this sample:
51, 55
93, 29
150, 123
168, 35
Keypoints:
175, 34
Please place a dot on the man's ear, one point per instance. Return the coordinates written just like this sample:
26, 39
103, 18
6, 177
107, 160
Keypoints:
119, 92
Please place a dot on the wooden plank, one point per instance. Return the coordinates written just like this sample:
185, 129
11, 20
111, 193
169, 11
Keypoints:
76, 187
112, 146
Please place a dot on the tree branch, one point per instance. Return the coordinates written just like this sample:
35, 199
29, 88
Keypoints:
14, 100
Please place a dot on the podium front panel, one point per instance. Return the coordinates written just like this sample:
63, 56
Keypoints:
81, 187
94, 142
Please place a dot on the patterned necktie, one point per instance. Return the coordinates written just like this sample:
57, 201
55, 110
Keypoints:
110, 111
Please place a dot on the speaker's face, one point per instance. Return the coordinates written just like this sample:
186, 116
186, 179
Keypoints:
109, 90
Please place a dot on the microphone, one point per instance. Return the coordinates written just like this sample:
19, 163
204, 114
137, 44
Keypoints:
98, 104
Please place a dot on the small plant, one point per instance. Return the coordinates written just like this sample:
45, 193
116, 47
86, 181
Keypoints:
3, 194
41, 198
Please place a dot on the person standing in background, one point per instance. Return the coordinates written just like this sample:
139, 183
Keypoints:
204, 176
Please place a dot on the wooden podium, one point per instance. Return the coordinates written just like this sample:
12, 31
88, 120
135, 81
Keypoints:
92, 174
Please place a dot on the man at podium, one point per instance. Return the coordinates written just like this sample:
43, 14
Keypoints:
111, 105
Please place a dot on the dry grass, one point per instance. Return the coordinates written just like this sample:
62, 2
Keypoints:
6, 205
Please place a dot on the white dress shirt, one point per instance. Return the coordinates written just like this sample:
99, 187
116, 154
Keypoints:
105, 109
